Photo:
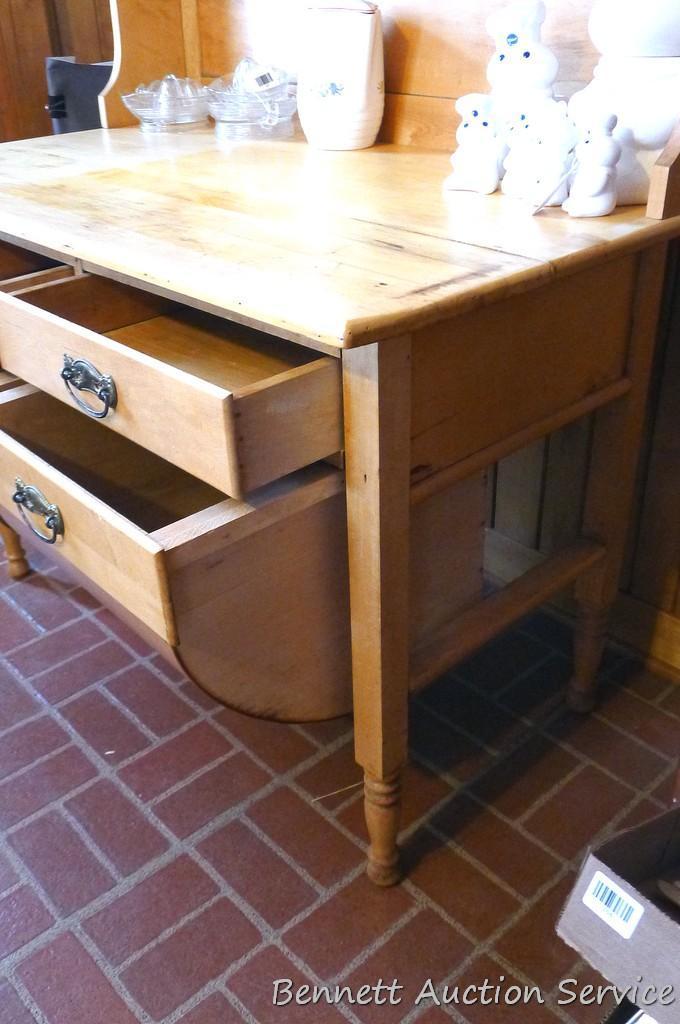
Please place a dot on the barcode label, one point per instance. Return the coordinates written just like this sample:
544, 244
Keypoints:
614, 906
264, 79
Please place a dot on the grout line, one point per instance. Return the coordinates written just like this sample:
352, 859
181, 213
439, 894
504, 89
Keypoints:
239, 812
25, 769
198, 773
28, 1001
89, 843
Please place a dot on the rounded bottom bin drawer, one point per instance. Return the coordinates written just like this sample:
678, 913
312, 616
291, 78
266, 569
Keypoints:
251, 596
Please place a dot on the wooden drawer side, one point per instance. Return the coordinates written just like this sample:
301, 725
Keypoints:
274, 574
294, 421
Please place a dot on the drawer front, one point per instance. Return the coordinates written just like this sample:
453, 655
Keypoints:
185, 420
119, 557
144, 384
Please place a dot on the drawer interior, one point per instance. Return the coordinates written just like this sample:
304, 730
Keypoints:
222, 353
20, 268
130, 519
15, 261
137, 484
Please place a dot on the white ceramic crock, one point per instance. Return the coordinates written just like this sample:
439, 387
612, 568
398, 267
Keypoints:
341, 81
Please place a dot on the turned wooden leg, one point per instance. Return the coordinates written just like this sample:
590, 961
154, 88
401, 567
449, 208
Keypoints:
589, 641
376, 381
17, 565
382, 798
615, 452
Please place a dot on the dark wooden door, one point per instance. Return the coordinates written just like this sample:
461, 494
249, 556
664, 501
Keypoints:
30, 31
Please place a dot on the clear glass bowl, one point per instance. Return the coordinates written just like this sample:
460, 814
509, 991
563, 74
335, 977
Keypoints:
168, 104
253, 97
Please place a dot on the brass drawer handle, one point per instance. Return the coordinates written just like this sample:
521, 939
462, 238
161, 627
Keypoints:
79, 375
30, 499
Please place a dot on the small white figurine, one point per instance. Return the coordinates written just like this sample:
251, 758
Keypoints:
541, 139
522, 69
593, 190
478, 161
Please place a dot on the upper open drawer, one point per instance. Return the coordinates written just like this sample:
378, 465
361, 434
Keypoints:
230, 405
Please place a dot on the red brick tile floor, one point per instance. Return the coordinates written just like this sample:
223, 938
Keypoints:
165, 859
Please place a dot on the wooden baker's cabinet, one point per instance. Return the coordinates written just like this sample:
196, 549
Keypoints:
198, 505
233, 316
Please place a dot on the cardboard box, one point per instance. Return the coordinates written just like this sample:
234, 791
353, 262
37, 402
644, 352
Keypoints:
628, 1014
617, 921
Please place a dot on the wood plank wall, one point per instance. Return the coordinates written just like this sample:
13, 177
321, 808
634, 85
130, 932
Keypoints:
435, 51
84, 29
26, 34
438, 51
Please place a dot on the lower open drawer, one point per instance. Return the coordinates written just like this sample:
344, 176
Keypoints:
251, 596
109, 506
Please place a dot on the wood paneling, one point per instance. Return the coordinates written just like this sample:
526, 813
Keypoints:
519, 485
435, 52
154, 46
85, 30
26, 38
440, 48
427, 121
226, 32
564, 475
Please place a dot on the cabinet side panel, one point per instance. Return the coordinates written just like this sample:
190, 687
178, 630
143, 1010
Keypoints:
486, 375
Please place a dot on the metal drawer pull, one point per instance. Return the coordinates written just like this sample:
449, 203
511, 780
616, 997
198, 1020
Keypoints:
79, 375
30, 499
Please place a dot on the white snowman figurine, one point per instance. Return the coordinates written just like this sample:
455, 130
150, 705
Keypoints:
523, 69
638, 79
594, 186
541, 140
478, 160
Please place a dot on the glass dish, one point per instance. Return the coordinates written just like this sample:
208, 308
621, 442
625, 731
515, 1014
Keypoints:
168, 104
254, 97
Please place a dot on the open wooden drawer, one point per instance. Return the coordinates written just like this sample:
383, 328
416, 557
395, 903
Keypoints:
229, 405
251, 597
143, 531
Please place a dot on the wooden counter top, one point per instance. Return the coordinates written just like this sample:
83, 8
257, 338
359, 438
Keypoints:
332, 249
